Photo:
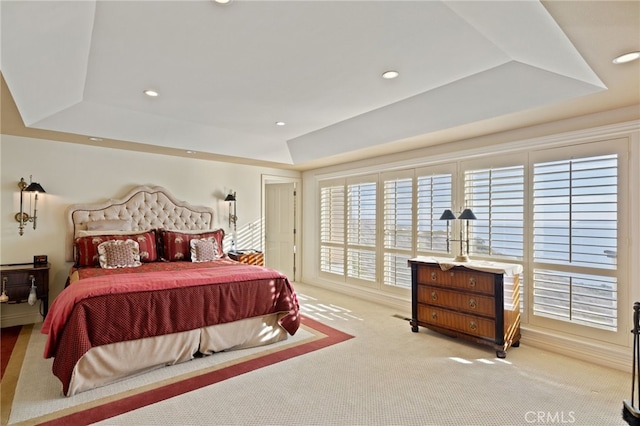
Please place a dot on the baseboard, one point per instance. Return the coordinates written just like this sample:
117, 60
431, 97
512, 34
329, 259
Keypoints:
21, 318
599, 353
400, 303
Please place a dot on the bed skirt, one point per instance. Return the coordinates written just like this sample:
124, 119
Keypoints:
106, 364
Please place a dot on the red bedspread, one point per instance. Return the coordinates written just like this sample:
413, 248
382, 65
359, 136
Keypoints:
126, 306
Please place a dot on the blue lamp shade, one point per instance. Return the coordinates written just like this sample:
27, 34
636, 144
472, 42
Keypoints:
467, 214
448, 215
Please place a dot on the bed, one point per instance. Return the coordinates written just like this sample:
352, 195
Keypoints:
151, 286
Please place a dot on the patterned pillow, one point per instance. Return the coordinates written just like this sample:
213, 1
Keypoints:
175, 244
204, 249
119, 254
87, 247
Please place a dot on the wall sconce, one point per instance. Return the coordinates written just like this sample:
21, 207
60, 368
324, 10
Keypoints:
467, 215
231, 198
233, 218
23, 217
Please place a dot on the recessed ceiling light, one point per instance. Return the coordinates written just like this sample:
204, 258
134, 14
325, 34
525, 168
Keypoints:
390, 74
151, 93
93, 138
222, 1
627, 57
190, 152
280, 123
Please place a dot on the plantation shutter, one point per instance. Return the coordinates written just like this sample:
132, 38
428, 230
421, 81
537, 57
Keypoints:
332, 229
361, 230
575, 227
433, 197
397, 230
496, 197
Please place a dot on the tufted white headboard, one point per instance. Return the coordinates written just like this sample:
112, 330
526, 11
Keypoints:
144, 207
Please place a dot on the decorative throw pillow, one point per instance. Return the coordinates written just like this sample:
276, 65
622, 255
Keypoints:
176, 247
87, 247
119, 254
204, 249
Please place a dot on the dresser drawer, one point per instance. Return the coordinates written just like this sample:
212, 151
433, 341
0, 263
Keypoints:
469, 324
467, 302
469, 280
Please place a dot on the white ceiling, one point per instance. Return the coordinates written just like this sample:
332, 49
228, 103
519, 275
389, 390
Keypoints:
227, 73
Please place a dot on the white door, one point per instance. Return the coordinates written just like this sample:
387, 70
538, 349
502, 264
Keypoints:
280, 222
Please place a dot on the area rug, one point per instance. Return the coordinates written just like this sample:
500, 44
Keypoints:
32, 395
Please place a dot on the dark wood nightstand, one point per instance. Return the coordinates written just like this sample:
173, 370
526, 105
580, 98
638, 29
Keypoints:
16, 282
251, 257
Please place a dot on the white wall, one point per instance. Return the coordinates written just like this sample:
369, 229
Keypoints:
73, 173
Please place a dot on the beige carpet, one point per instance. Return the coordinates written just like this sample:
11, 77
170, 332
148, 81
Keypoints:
386, 375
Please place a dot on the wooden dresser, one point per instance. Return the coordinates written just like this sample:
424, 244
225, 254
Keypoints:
477, 301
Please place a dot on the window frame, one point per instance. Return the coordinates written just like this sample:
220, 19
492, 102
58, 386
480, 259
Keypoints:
620, 147
524, 152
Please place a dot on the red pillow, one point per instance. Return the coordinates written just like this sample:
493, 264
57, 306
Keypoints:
175, 244
87, 247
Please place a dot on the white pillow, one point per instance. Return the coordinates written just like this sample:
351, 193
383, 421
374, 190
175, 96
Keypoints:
109, 225
83, 233
119, 254
204, 249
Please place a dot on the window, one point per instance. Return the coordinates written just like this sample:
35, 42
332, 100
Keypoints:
559, 211
361, 230
496, 197
332, 230
433, 197
397, 230
348, 229
575, 228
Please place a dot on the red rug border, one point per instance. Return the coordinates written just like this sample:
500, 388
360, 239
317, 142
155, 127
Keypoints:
134, 402
8, 341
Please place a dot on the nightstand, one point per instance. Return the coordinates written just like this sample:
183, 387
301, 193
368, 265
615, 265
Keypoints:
250, 257
16, 282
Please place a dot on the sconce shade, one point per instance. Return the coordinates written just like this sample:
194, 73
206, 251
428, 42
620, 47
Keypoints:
448, 215
467, 214
35, 187
230, 197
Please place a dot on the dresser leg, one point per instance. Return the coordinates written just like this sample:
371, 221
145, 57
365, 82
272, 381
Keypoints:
414, 326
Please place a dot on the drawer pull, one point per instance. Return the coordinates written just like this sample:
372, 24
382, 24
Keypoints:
472, 303
472, 282
434, 276
434, 295
472, 325
434, 315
